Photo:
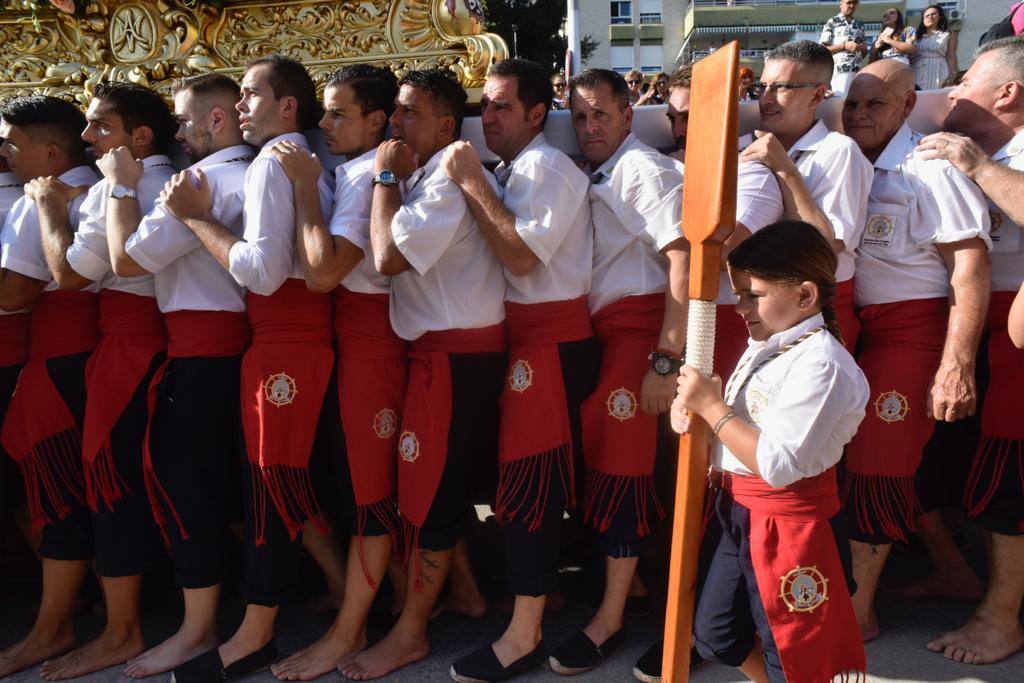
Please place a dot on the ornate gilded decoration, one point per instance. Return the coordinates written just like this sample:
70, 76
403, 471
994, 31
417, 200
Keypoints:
153, 42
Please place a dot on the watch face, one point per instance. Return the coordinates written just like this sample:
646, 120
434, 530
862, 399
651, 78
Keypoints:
386, 176
662, 365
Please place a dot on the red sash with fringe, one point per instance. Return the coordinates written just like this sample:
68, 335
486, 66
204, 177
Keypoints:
132, 334
13, 339
800, 577
619, 439
285, 374
1001, 451
190, 334
372, 363
846, 316
900, 348
426, 417
534, 437
731, 337
39, 431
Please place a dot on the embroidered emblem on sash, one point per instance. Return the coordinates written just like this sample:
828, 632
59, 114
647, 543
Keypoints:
384, 423
520, 376
878, 230
804, 589
621, 404
891, 406
409, 446
280, 389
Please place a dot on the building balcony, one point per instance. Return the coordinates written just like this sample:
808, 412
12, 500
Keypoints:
652, 31
762, 16
619, 32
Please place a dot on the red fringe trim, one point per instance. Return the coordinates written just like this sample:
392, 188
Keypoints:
410, 542
291, 491
103, 480
993, 456
157, 493
852, 675
524, 485
51, 469
604, 495
383, 511
892, 501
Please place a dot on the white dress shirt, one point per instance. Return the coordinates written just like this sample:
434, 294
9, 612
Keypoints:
21, 239
1007, 253
914, 205
265, 256
11, 190
353, 199
636, 210
807, 404
455, 282
89, 254
547, 194
758, 204
838, 177
186, 276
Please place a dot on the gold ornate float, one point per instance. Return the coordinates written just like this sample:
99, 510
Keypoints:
153, 42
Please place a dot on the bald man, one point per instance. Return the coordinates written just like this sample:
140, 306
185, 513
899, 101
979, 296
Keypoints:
985, 140
921, 293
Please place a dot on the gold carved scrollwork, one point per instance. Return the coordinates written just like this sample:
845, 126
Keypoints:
153, 42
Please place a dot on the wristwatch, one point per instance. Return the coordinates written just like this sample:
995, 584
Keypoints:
664, 363
386, 178
123, 192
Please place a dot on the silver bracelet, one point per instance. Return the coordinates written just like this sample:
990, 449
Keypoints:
721, 422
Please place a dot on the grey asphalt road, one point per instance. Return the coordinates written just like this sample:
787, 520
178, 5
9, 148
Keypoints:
898, 655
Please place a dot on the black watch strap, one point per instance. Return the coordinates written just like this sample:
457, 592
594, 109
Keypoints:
664, 364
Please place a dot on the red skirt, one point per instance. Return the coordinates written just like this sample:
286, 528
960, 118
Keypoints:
900, 347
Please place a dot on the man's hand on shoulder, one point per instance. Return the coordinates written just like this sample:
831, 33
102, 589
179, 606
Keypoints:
461, 162
301, 167
959, 150
767, 149
188, 196
51, 190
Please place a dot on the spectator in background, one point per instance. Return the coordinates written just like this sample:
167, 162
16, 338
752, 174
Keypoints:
844, 37
746, 82
634, 81
1017, 18
897, 40
560, 97
658, 92
936, 50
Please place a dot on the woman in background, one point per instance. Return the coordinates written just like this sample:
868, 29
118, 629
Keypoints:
896, 41
936, 49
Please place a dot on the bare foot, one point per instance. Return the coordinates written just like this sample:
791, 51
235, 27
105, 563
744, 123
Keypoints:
387, 655
320, 658
980, 641
171, 653
869, 628
106, 651
324, 604
967, 587
36, 647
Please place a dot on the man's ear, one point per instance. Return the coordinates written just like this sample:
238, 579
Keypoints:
535, 115
218, 120
289, 108
377, 121
448, 127
142, 136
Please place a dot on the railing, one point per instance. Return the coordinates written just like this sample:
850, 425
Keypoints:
753, 3
652, 18
744, 54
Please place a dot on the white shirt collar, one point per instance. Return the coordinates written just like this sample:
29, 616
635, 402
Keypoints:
780, 339
433, 164
8, 179
226, 154
812, 139
370, 155
298, 138
536, 142
79, 175
154, 160
895, 152
1012, 148
608, 166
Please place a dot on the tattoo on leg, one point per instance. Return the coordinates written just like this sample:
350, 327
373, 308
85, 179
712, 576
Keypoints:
429, 563
874, 549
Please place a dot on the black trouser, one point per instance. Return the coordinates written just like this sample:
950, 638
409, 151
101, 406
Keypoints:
197, 455
730, 611
69, 538
127, 538
532, 556
271, 569
12, 488
477, 381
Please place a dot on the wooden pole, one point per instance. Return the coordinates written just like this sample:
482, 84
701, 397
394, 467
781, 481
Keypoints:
709, 215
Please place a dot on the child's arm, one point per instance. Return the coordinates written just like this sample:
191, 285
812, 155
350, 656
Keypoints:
1015, 324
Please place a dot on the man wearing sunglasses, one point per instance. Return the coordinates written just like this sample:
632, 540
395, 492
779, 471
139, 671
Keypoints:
635, 83
824, 177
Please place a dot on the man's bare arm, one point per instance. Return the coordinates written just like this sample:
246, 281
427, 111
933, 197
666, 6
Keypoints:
325, 258
123, 218
18, 291
657, 391
57, 236
387, 201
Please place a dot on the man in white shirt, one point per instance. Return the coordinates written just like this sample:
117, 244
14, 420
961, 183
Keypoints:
921, 295
537, 224
447, 294
287, 369
132, 343
336, 257
191, 456
985, 140
42, 428
824, 177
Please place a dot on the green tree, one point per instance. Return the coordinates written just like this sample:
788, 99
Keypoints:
532, 29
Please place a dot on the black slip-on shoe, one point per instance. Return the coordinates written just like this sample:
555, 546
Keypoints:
648, 667
208, 667
580, 654
482, 665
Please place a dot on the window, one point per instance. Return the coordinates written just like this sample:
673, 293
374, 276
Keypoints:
622, 58
622, 12
651, 57
650, 11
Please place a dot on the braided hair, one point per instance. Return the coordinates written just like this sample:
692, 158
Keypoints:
792, 252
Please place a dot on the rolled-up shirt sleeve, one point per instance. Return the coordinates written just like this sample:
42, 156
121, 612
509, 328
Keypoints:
798, 425
160, 240
424, 228
544, 214
843, 197
653, 202
951, 208
264, 259
758, 197
353, 194
22, 246
89, 254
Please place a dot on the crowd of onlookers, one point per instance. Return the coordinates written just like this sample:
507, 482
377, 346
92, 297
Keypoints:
929, 48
